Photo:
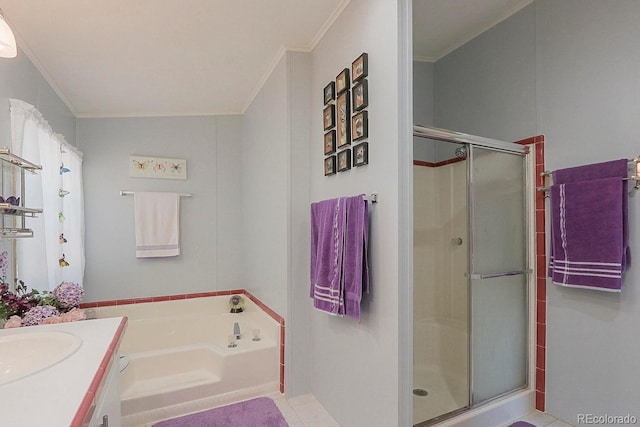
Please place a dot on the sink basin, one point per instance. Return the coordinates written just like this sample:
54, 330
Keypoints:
26, 353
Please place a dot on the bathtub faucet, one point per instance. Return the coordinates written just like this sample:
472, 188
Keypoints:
236, 330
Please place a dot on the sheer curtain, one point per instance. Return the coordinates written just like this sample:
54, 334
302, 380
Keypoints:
56, 252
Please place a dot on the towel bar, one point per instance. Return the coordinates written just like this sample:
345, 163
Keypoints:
631, 178
635, 177
477, 276
129, 193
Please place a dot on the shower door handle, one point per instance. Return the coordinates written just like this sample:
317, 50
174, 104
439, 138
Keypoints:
477, 276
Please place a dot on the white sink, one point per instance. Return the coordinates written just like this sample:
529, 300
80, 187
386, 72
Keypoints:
25, 353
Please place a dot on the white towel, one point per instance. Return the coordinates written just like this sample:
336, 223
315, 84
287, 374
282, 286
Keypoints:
157, 224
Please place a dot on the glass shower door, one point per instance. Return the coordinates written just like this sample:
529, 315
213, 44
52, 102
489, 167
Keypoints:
498, 273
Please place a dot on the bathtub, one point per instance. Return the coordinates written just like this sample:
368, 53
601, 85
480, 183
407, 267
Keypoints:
175, 357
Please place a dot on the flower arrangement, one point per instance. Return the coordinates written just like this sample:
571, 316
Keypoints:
40, 308
18, 303
22, 308
37, 314
68, 294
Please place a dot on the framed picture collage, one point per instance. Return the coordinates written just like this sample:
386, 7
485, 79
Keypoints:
345, 119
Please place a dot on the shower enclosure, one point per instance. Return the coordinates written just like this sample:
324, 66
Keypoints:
470, 272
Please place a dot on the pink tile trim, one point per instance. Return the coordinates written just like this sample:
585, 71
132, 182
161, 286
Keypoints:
532, 140
540, 379
541, 279
88, 404
437, 164
229, 292
540, 357
540, 400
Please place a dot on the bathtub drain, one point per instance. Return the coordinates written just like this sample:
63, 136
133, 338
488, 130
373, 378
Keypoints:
420, 392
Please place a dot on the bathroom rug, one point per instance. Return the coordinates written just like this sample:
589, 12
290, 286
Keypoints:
522, 424
258, 412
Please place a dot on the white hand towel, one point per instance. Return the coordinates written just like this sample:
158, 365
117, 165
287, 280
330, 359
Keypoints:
157, 224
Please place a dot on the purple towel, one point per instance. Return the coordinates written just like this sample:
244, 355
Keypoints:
355, 267
610, 169
587, 234
327, 230
339, 269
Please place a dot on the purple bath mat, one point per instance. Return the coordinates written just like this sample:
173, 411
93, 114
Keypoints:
522, 424
259, 412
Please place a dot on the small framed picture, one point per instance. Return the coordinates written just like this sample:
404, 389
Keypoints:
330, 165
328, 117
329, 92
343, 119
359, 126
344, 160
360, 96
342, 81
361, 154
360, 67
330, 142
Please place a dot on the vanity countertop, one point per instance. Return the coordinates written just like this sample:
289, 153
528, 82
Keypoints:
64, 394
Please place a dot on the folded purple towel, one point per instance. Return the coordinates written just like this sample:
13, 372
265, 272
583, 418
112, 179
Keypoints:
327, 229
610, 169
339, 268
355, 267
587, 234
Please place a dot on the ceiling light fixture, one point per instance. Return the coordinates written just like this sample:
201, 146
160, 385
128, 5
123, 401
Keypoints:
7, 40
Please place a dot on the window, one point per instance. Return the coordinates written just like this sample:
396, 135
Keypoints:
56, 252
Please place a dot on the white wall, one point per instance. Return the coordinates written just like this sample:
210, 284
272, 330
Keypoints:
588, 90
579, 58
423, 108
487, 86
355, 364
19, 79
298, 355
210, 231
275, 172
265, 163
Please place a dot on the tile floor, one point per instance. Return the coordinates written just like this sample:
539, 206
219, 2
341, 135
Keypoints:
303, 411
306, 411
540, 419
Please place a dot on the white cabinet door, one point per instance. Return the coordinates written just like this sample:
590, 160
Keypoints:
109, 401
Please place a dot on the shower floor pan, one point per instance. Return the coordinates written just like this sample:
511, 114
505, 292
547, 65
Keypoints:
445, 394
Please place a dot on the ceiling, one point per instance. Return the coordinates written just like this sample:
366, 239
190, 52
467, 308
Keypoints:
121, 58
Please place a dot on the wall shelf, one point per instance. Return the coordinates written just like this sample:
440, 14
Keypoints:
7, 156
12, 217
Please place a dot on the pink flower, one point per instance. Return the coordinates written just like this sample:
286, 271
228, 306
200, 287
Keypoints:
51, 320
37, 314
68, 294
73, 315
13, 322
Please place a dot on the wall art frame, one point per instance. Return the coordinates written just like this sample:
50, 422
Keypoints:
360, 96
330, 165
344, 160
360, 126
330, 142
342, 81
329, 92
329, 117
157, 167
360, 67
361, 154
343, 116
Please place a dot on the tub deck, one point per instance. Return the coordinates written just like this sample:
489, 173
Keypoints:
180, 362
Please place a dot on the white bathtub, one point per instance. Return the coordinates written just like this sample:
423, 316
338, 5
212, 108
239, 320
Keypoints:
179, 360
